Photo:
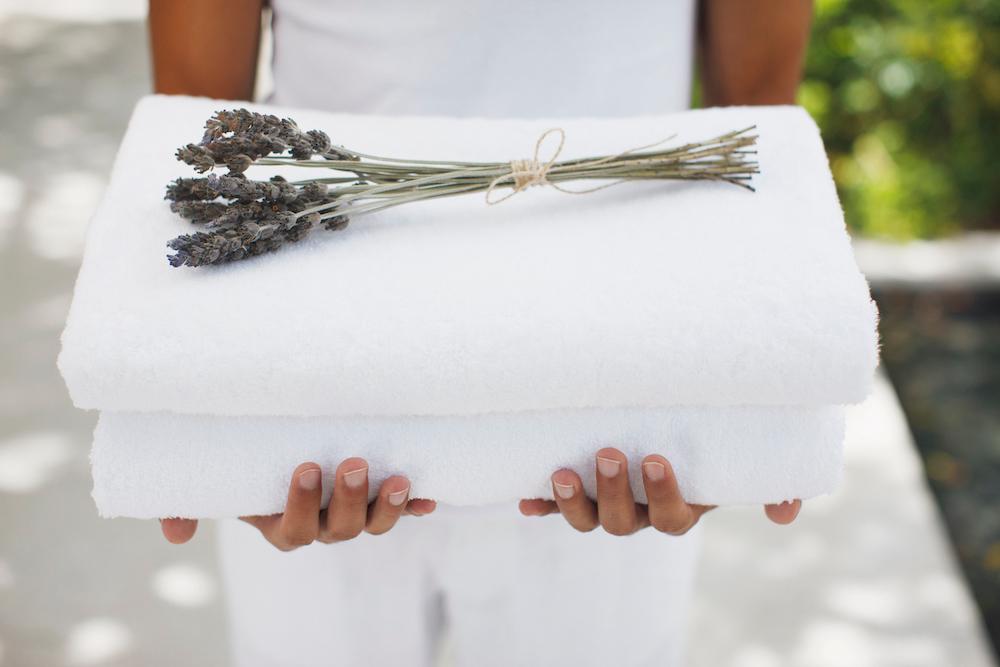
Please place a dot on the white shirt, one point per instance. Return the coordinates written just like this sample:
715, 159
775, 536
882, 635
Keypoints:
518, 58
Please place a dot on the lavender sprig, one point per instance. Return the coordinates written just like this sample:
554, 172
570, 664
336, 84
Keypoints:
241, 218
238, 137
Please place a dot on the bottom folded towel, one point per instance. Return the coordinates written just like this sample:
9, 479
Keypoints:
149, 465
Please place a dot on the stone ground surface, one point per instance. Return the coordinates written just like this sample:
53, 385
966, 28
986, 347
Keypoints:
865, 577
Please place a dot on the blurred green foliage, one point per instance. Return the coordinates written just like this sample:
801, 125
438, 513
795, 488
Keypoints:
908, 95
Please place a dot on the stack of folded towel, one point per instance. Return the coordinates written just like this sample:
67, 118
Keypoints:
477, 349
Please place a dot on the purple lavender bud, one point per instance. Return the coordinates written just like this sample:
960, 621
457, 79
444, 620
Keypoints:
285, 220
319, 141
197, 156
314, 191
336, 223
301, 148
190, 189
198, 212
239, 163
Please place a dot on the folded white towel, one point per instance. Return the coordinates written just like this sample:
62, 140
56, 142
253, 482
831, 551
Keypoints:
477, 349
647, 294
155, 465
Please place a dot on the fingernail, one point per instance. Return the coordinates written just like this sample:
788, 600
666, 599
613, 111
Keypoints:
397, 498
655, 471
355, 478
608, 467
564, 491
309, 479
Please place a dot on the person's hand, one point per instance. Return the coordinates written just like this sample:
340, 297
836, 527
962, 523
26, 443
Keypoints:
615, 509
348, 514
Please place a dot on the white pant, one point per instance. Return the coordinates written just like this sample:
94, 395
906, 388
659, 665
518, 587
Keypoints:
510, 591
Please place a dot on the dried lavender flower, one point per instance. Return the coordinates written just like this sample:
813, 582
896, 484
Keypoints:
238, 137
238, 163
243, 189
319, 141
336, 223
314, 191
197, 156
190, 189
199, 212
233, 244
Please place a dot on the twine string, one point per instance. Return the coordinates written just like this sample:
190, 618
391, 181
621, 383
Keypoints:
526, 173
529, 172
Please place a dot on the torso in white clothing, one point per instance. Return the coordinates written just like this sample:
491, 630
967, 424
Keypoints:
513, 591
519, 58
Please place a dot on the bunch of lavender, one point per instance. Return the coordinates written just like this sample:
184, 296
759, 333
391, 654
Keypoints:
239, 217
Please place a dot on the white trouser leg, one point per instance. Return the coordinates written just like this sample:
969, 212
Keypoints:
516, 591
533, 591
366, 602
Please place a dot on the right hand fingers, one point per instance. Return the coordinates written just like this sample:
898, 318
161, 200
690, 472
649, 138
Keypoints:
348, 510
579, 510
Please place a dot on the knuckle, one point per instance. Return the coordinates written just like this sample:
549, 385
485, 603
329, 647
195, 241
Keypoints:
343, 533
296, 540
616, 500
619, 530
673, 525
580, 521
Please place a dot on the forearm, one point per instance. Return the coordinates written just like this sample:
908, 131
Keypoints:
205, 48
752, 51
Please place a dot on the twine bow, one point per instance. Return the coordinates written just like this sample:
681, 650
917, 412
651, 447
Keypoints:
532, 171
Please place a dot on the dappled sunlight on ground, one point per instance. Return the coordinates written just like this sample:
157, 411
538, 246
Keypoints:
185, 585
11, 200
74, 589
96, 641
56, 221
28, 462
6, 575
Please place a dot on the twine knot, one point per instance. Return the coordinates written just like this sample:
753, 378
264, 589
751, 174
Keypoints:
528, 172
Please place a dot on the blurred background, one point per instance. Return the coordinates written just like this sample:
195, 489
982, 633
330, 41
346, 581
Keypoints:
901, 567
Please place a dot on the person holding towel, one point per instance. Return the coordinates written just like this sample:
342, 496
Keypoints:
503, 590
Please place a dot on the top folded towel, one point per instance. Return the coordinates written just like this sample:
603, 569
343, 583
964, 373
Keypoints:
646, 294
